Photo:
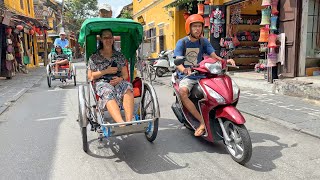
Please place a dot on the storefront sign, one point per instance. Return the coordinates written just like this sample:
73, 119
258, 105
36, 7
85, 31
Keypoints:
141, 20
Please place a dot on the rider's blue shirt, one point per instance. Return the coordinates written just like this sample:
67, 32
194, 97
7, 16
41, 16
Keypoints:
194, 51
61, 43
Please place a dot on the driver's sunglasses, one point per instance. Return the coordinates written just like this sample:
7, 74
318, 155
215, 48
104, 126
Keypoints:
107, 37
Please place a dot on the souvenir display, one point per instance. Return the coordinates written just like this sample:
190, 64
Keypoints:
266, 13
217, 20
274, 20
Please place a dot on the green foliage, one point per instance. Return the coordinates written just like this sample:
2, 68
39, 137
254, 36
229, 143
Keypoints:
77, 11
126, 14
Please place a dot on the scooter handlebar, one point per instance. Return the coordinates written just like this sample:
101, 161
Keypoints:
233, 66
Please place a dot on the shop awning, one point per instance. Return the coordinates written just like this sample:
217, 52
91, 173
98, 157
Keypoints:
32, 20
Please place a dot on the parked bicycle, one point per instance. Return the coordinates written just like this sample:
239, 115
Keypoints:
146, 69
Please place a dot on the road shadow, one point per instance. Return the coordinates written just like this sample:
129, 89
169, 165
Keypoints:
263, 157
144, 157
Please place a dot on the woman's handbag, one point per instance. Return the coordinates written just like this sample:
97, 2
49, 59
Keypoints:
9, 57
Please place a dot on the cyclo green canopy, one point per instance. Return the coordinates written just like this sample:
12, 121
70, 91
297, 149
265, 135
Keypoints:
131, 33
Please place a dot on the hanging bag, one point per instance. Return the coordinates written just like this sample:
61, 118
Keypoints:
9, 57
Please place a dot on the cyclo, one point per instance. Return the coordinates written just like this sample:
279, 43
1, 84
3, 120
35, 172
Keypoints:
65, 72
146, 112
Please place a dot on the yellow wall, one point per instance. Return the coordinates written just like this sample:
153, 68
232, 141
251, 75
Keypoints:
15, 4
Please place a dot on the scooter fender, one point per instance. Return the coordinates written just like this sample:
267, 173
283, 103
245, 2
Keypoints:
231, 113
161, 63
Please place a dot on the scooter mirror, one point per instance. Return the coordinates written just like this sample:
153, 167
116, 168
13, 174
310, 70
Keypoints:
179, 60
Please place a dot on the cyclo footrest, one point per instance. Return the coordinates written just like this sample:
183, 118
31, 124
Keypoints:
117, 129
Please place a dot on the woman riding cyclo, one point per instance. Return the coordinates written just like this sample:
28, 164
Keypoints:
107, 68
59, 58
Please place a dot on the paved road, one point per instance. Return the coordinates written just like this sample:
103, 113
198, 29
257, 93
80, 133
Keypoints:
40, 139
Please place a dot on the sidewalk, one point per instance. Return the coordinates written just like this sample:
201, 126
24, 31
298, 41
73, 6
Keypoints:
13, 89
257, 99
305, 87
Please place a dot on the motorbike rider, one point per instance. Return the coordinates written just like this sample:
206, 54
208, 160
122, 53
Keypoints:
193, 47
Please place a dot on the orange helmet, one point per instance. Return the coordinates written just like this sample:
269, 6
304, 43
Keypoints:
192, 19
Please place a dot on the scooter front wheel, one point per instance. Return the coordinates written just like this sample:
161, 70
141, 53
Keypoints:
240, 146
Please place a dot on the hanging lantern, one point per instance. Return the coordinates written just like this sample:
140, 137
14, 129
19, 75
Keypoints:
200, 8
266, 14
264, 34
274, 9
19, 27
274, 20
31, 32
8, 30
207, 21
272, 41
186, 15
266, 3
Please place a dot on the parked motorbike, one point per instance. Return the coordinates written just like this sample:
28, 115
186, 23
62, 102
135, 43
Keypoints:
165, 63
215, 96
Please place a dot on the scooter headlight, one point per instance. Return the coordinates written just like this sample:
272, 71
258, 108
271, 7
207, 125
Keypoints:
215, 95
214, 68
235, 89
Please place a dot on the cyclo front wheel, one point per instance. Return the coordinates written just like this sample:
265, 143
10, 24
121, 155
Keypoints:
150, 110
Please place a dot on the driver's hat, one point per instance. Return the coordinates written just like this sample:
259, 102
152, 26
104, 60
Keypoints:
105, 7
62, 33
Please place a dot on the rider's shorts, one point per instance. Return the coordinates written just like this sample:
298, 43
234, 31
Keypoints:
188, 83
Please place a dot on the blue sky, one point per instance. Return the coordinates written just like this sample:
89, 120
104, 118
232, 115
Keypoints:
116, 5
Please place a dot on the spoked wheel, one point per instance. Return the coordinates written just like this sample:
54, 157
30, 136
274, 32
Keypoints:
49, 75
74, 75
240, 146
152, 73
83, 119
49, 80
150, 109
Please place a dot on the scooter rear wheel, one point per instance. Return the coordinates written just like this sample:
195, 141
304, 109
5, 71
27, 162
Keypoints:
240, 146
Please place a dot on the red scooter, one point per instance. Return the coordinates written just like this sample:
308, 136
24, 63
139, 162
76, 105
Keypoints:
215, 96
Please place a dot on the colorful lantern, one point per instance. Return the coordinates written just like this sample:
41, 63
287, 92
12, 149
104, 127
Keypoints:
207, 21
272, 41
266, 14
8, 30
186, 15
274, 9
274, 20
31, 32
200, 8
266, 3
19, 27
264, 34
